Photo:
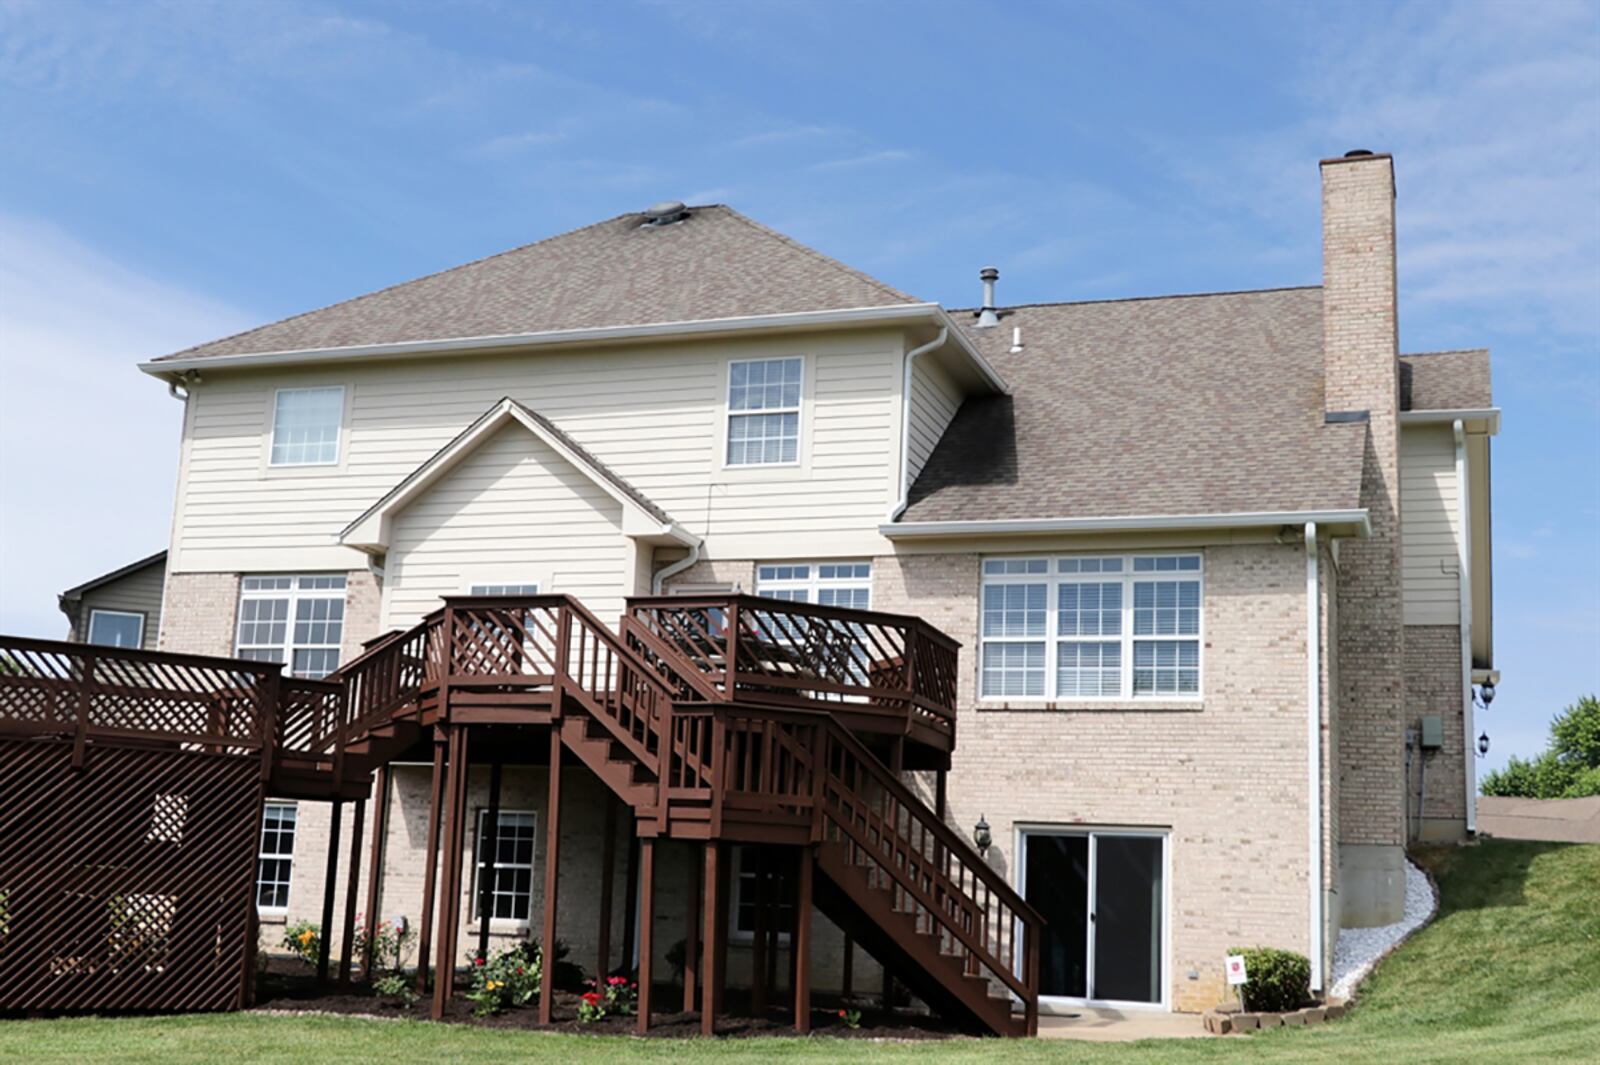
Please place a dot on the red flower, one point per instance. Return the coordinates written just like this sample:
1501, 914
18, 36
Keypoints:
477, 961
841, 1013
592, 997
519, 970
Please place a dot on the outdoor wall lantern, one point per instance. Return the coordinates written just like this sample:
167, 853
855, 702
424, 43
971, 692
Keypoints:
1483, 745
981, 836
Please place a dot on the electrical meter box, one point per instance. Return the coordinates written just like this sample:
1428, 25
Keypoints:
1432, 732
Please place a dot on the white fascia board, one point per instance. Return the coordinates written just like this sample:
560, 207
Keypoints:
1355, 522
894, 313
1487, 417
979, 363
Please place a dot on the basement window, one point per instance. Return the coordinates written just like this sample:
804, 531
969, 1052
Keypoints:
275, 860
511, 890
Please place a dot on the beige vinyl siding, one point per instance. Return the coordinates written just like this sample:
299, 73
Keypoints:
513, 511
654, 413
137, 593
1429, 525
934, 400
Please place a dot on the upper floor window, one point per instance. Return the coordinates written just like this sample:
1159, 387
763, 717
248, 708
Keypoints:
305, 426
1080, 628
764, 411
298, 621
116, 628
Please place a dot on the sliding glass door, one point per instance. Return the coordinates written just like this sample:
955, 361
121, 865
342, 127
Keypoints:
1102, 895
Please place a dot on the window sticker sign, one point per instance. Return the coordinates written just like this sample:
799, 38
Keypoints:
1236, 971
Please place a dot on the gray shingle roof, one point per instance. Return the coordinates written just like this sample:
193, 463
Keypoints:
1445, 380
1174, 405
715, 264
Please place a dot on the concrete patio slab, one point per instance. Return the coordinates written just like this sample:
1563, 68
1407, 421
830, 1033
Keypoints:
1120, 1026
1549, 820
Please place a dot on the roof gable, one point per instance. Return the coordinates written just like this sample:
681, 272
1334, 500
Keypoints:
640, 517
716, 263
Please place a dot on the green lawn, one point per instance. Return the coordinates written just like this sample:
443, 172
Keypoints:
1510, 971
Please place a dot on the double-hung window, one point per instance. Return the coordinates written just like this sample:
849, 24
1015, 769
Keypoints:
275, 861
764, 411
297, 621
305, 426
1075, 627
778, 898
511, 845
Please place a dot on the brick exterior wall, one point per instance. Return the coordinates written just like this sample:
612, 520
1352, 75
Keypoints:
363, 603
1226, 781
198, 613
1433, 686
1361, 349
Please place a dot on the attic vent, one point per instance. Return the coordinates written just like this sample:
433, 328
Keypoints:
664, 214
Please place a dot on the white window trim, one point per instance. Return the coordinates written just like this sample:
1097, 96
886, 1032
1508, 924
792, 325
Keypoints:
294, 593
469, 587
261, 854
339, 437
725, 433
475, 898
88, 632
1054, 580
815, 582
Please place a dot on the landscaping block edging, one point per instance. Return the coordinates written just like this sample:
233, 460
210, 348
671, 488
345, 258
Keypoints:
1220, 1022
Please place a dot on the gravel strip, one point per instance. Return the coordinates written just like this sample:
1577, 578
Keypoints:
1359, 949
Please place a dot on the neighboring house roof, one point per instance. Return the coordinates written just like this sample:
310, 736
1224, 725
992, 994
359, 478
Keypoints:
76, 592
641, 516
716, 263
1445, 380
1179, 405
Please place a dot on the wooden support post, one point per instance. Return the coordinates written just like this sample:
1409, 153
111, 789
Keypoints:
647, 909
800, 944
848, 977
329, 883
630, 897
691, 938
897, 759
380, 830
450, 885
552, 864
939, 780
352, 887
608, 874
489, 847
719, 987
711, 974
441, 736
757, 857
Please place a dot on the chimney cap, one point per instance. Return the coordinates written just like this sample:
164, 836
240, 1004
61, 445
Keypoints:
989, 273
1358, 153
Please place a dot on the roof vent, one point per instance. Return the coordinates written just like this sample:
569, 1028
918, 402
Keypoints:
1357, 153
986, 314
664, 214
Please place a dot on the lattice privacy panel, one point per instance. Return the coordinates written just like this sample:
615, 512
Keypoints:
127, 884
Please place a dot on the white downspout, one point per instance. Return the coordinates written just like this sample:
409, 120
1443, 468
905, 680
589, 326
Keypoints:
1464, 593
1314, 749
676, 568
902, 500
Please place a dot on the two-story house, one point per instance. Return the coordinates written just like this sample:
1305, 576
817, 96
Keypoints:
1218, 564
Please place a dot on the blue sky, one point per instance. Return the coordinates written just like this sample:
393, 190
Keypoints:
170, 172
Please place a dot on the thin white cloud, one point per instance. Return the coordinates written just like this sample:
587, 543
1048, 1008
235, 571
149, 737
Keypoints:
511, 143
855, 162
779, 136
88, 445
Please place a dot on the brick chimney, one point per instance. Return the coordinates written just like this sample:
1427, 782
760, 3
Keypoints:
1360, 338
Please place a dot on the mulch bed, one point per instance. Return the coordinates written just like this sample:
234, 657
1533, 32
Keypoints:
288, 985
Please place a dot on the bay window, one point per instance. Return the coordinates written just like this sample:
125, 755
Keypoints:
1108, 627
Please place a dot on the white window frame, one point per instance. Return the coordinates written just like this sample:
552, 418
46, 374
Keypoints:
744, 882
478, 865
729, 414
339, 427
297, 591
505, 588
1054, 580
813, 584
262, 854
94, 612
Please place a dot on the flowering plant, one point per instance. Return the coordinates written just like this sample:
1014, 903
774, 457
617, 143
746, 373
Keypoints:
391, 942
507, 978
303, 939
614, 994
850, 1013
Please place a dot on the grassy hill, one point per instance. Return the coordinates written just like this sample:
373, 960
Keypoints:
1508, 972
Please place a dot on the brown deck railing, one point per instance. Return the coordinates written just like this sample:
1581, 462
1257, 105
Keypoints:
805, 656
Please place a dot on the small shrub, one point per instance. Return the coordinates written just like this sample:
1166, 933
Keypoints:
850, 1016
1279, 979
614, 994
395, 988
509, 978
304, 940
390, 945
591, 1006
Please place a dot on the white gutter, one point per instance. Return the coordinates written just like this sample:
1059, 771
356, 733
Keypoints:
894, 313
904, 495
1131, 523
1488, 415
1314, 750
1464, 594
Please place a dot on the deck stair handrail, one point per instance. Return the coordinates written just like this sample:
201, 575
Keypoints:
810, 656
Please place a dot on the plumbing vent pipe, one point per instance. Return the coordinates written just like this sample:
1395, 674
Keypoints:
986, 314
